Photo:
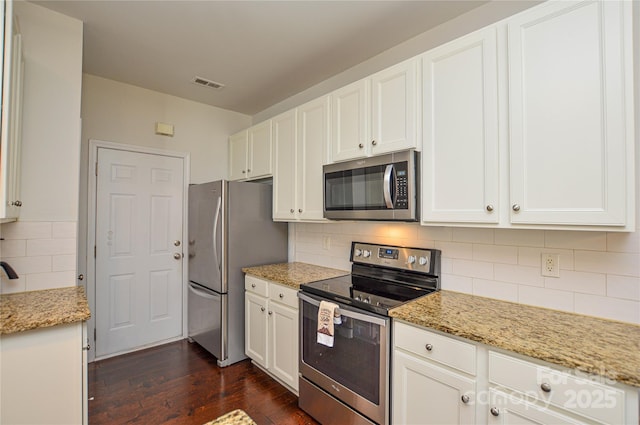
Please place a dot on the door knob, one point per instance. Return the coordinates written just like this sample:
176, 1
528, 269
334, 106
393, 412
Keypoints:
177, 255
176, 243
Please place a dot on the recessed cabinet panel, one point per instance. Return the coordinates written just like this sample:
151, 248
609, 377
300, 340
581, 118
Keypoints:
259, 163
571, 127
238, 156
460, 161
284, 161
350, 121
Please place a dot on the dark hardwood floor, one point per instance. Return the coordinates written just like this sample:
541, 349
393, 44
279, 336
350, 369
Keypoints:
180, 383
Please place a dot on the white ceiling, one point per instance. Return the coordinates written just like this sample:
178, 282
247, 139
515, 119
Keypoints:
262, 51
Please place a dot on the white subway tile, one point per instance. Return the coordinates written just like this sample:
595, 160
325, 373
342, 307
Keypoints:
446, 265
499, 290
27, 265
408, 231
533, 257
624, 264
547, 298
571, 239
452, 282
432, 233
38, 281
472, 235
51, 246
475, 269
495, 254
63, 263
27, 230
11, 286
587, 283
13, 248
523, 275
64, 229
623, 287
514, 237
623, 242
607, 307
455, 250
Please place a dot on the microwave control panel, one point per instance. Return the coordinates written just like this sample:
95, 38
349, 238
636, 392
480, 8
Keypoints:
401, 200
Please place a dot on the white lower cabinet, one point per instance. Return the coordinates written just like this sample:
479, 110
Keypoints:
271, 329
44, 376
439, 379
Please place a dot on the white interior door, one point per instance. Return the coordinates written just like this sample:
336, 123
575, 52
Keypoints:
139, 219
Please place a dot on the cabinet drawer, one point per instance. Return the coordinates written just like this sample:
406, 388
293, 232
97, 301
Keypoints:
284, 295
430, 345
577, 394
256, 285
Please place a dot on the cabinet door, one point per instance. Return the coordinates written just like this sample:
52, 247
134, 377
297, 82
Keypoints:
284, 162
350, 121
394, 118
260, 159
570, 113
238, 156
507, 410
460, 153
256, 328
283, 341
426, 394
313, 139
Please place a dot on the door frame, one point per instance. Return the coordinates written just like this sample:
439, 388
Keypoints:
90, 285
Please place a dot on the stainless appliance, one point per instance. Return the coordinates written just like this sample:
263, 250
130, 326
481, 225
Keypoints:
230, 227
349, 382
383, 187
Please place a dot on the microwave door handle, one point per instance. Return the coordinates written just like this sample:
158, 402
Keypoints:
388, 181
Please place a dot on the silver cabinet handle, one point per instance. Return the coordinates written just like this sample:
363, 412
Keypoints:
373, 142
291, 210
300, 210
270, 313
465, 399
80, 276
429, 347
489, 207
546, 387
177, 255
516, 207
176, 243
244, 172
17, 203
281, 296
248, 170
360, 145
253, 285
495, 411
262, 308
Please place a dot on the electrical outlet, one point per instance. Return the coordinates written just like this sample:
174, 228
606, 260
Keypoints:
551, 265
326, 243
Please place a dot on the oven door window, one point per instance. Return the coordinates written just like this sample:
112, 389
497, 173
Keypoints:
358, 189
354, 359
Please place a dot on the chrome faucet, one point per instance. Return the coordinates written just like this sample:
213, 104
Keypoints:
9, 270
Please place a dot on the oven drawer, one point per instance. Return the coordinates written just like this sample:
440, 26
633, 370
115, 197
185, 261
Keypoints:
577, 394
256, 285
438, 348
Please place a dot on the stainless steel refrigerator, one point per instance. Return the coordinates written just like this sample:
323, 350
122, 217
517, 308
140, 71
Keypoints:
230, 227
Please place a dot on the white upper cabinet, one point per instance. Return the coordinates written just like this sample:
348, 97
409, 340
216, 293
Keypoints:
11, 123
300, 143
570, 107
460, 163
250, 153
376, 115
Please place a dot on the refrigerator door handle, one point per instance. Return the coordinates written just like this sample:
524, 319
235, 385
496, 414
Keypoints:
201, 293
215, 236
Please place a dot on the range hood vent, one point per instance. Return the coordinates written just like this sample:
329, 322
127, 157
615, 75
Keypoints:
207, 83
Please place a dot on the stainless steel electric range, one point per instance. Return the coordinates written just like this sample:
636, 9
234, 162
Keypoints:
349, 382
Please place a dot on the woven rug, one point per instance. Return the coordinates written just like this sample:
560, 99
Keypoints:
235, 417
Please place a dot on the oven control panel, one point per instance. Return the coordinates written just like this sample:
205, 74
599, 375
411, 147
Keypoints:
418, 259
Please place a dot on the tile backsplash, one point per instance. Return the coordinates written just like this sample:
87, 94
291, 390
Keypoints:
43, 253
599, 271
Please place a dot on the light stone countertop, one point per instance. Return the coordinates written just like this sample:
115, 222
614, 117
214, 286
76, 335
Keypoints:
24, 311
589, 344
235, 417
294, 274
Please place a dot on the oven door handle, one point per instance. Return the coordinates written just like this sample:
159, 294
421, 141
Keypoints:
388, 181
347, 313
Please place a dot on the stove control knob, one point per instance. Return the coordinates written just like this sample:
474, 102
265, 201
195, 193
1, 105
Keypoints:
366, 253
367, 300
357, 252
411, 259
358, 298
422, 261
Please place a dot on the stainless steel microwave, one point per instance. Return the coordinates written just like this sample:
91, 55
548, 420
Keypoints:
382, 187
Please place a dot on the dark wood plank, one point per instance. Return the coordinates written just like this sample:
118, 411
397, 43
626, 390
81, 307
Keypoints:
181, 384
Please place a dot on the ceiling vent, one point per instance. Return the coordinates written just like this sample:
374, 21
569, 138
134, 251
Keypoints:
207, 83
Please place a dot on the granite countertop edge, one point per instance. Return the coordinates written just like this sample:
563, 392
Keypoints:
25, 311
294, 274
592, 345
